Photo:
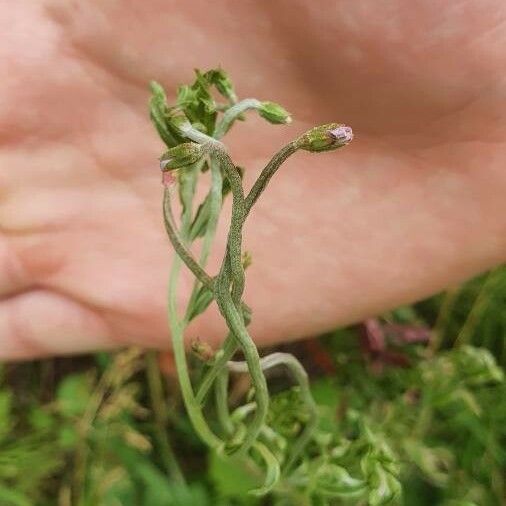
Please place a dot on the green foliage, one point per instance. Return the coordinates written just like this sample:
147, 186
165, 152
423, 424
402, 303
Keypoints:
73, 395
444, 420
473, 313
90, 444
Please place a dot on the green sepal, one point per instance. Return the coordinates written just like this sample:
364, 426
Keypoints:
274, 113
320, 139
182, 155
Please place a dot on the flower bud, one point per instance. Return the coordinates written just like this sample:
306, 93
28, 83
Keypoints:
325, 137
202, 350
181, 156
274, 113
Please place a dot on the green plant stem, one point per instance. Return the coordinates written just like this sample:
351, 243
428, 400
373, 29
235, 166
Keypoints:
221, 396
177, 327
233, 113
233, 263
228, 303
272, 467
265, 176
234, 242
178, 244
192, 407
233, 249
300, 376
159, 405
236, 325
195, 135
222, 357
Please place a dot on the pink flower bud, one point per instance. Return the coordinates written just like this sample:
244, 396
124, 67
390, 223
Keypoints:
325, 137
342, 134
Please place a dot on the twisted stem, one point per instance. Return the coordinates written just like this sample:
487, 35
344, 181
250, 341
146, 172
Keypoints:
236, 325
234, 242
228, 288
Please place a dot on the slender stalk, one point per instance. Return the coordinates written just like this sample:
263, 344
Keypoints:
223, 356
177, 328
233, 114
178, 244
265, 176
192, 407
233, 258
195, 135
221, 396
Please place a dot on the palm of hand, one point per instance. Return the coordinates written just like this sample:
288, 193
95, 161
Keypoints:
83, 257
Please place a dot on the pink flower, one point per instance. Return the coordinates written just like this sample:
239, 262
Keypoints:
343, 134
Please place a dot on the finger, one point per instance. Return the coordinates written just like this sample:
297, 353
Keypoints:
13, 277
41, 323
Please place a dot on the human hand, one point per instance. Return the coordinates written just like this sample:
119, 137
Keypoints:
414, 204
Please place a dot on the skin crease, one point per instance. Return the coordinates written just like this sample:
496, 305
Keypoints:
415, 204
